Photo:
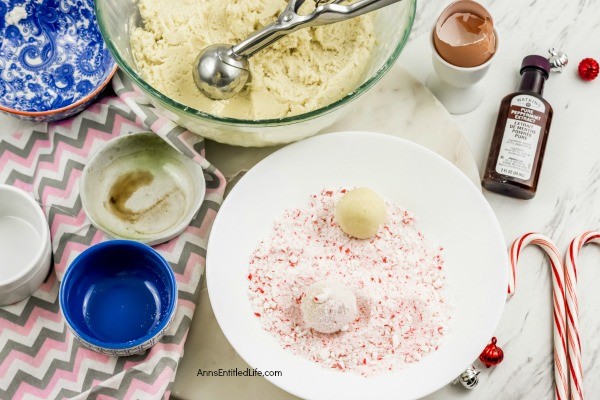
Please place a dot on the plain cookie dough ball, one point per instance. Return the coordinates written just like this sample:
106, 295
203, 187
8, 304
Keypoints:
328, 306
360, 212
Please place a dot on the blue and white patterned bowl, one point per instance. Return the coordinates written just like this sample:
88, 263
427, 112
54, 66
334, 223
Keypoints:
53, 60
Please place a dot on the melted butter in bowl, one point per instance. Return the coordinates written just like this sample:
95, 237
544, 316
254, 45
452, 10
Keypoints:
138, 187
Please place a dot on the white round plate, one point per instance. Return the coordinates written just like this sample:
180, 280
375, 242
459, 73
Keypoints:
451, 211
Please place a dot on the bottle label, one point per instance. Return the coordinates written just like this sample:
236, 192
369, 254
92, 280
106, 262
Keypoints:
526, 118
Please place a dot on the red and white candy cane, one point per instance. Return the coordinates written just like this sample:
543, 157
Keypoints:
561, 373
573, 341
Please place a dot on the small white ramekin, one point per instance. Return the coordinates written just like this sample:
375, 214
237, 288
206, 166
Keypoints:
25, 251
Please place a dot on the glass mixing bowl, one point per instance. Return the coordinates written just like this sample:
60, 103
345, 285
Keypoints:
392, 28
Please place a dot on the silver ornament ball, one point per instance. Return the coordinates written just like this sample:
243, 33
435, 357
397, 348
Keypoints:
558, 60
469, 379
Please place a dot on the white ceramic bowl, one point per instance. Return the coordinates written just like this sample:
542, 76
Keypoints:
140, 188
451, 211
25, 253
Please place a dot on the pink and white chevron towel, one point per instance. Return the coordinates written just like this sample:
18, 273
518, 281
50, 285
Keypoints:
39, 358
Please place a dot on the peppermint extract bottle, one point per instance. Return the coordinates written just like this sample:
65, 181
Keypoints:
517, 150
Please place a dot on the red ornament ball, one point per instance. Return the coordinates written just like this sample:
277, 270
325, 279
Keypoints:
588, 69
492, 354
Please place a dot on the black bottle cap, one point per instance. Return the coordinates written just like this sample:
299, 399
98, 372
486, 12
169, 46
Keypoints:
539, 62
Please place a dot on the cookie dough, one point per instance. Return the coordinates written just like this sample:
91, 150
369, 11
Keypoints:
360, 213
302, 72
328, 306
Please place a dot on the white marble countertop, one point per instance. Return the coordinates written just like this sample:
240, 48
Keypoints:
567, 202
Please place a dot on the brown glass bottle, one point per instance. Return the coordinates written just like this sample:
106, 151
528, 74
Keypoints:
517, 150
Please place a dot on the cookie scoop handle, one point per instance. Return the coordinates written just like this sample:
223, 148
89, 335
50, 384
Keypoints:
220, 71
290, 21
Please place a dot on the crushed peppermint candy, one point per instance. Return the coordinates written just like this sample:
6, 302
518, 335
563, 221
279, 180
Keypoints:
397, 276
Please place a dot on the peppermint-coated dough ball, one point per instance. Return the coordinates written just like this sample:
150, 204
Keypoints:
360, 213
328, 306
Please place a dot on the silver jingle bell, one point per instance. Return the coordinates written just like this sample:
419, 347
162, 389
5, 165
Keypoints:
469, 379
558, 60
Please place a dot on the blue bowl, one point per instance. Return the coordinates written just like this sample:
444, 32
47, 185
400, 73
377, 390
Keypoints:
118, 297
53, 60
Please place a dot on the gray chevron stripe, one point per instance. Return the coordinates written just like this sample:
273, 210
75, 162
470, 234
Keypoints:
66, 394
92, 374
173, 136
32, 303
73, 237
188, 249
22, 376
179, 267
35, 136
61, 182
207, 205
120, 365
15, 176
57, 210
212, 180
149, 117
179, 334
189, 296
211, 168
129, 376
96, 375
77, 141
199, 146
45, 334
196, 222
120, 85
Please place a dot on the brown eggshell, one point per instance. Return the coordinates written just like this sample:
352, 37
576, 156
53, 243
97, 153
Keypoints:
472, 54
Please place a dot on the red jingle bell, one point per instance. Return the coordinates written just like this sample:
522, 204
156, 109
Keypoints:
588, 69
492, 354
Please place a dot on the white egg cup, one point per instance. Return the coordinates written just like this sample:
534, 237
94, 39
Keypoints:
459, 89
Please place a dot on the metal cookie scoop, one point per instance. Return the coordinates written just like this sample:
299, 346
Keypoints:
221, 71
